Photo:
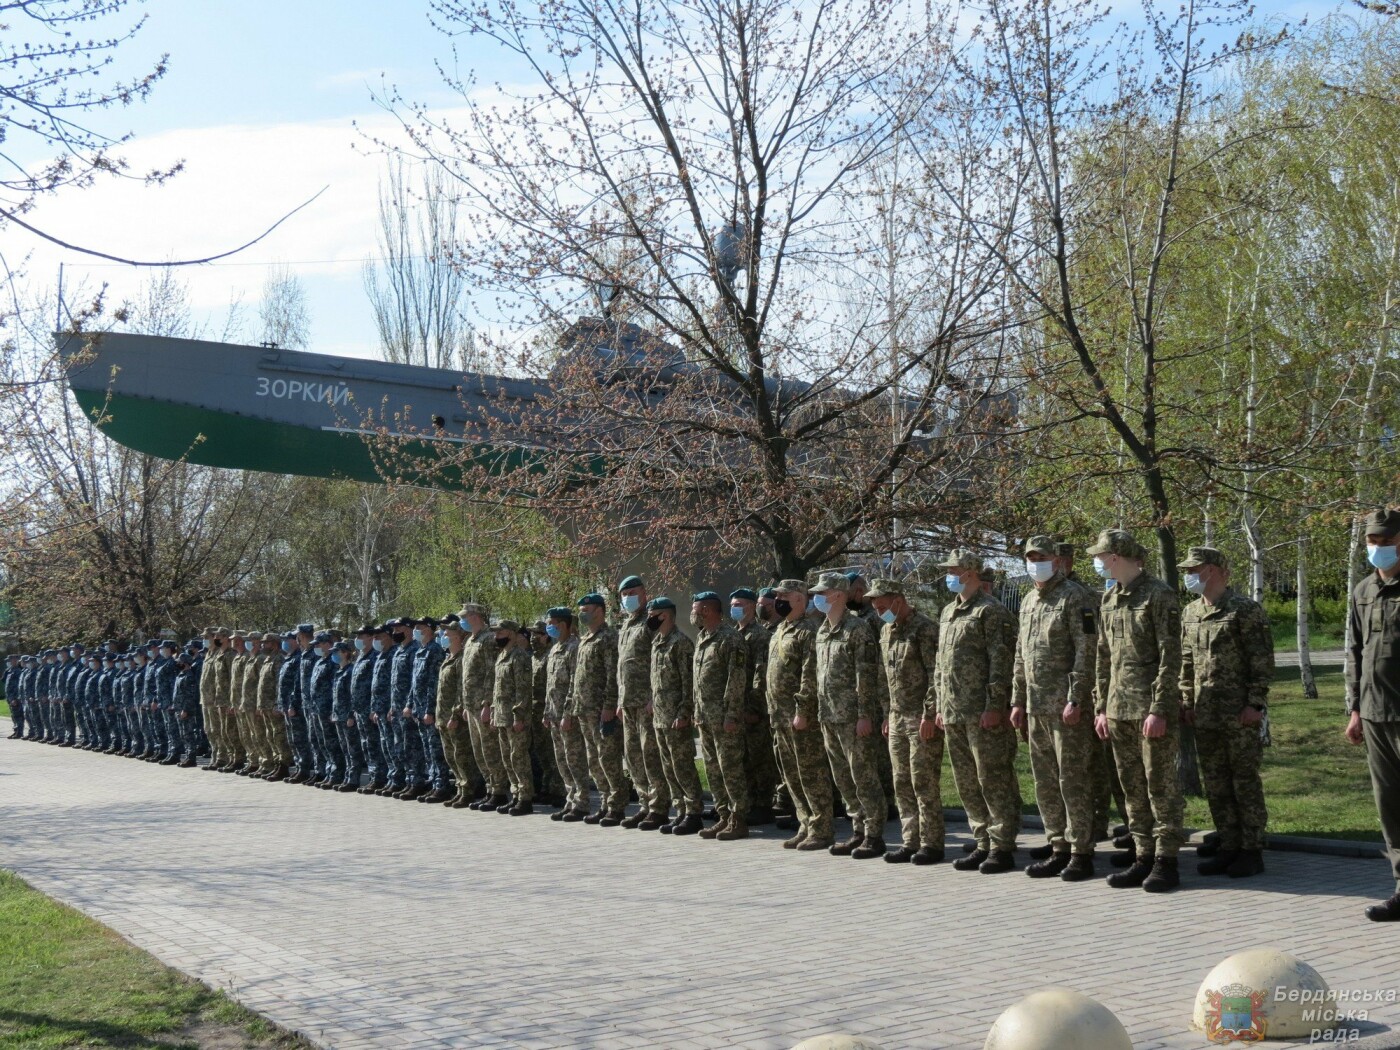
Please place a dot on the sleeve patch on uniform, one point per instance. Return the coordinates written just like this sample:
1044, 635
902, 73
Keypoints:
1090, 626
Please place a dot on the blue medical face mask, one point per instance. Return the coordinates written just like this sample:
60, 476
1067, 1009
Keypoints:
822, 603
1101, 567
379, 645
1194, 583
359, 645
442, 639
252, 647
421, 637
1109, 584
631, 602
888, 616
1383, 558
335, 657
286, 646
552, 630
735, 613
953, 583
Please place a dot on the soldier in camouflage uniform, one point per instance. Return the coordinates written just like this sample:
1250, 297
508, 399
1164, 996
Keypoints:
1053, 693
564, 732
268, 721
792, 711
511, 702
720, 681
850, 711
220, 678
909, 651
549, 782
673, 711
233, 698
478, 687
450, 721
643, 756
784, 812
1136, 704
976, 656
1227, 664
760, 764
593, 703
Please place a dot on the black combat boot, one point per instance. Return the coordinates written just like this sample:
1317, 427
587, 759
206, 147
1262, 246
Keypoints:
845, 849
1040, 853
574, 816
1134, 875
1385, 911
689, 826
1050, 866
635, 820
1219, 862
903, 855
927, 855
1124, 858
654, 822
1000, 860
1249, 862
972, 861
1123, 841
870, 847
522, 808
1164, 877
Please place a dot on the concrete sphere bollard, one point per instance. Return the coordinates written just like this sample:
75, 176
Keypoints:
1262, 993
1057, 1019
837, 1041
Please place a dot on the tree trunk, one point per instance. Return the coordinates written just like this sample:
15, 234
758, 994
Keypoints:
1305, 669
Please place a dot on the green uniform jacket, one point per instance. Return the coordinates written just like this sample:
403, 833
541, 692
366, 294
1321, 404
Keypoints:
634, 642
515, 688
1139, 657
672, 657
720, 676
559, 678
910, 652
449, 694
1373, 659
478, 681
848, 671
792, 673
756, 640
266, 694
595, 673
1056, 648
976, 654
1227, 658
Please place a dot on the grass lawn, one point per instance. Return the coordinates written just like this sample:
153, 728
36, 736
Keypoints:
1320, 637
67, 981
1315, 783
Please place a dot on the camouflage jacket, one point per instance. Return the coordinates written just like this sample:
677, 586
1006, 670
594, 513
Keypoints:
513, 695
401, 674
1373, 658
341, 711
559, 678
634, 642
269, 681
720, 676
423, 686
792, 672
1227, 658
595, 673
381, 685
322, 692
289, 683
976, 653
1057, 648
449, 688
910, 654
672, 685
478, 672
756, 640
848, 671
362, 683
237, 671
1139, 651
165, 683
220, 675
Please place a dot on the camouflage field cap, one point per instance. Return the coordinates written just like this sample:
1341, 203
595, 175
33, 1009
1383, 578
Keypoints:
1064, 549
831, 581
223, 632
1042, 544
883, 587
790, 586
961, 558
253, 636
209, 632
473, 609
507, 625
1382, 522
1119, 542
1198, 556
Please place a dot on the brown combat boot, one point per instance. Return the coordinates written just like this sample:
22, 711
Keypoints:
712, 832
737, 828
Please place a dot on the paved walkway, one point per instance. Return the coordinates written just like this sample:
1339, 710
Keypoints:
365, 922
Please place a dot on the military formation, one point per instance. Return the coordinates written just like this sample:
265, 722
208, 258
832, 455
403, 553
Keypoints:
805, 701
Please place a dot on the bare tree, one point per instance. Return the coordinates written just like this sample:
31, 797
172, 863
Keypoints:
283, 317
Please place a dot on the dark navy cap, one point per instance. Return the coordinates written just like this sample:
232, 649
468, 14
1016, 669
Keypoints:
560, 612
306, 628
629, 583
743, 594
368, 628
705, 596
322, 636
658, 604
593, 599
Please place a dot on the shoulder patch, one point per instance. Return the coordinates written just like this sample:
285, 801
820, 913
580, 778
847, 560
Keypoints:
1089, 621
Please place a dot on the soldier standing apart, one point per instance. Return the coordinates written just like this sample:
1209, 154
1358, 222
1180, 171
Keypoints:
909, 649
848, 706
760, 763
1373, 685
1053, 685
1139, 665
643, 756
673, 711
512, 698
569, 752
594, 705
720, 682
1227, 663
973, 682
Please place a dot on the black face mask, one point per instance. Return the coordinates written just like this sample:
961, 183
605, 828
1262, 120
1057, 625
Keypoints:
765, 613
398, 637
855, 606
782, 607
653, 623
501, 643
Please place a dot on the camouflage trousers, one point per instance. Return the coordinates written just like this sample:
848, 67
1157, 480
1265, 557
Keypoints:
677, 748
1107, 790
1147, 771
855, 767
1062, 759
486, 747
643, 758
347, 738
515, 750
916, 766
760, 762
984, 770
1230, 758
275, 738
550, 780
213, 729
248, 736
604, 751
457, 753
1383, 759
391, 743
806, 773
571, 756
724, 769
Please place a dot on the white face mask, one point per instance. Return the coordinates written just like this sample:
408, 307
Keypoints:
1101, 567
379, 645
1040, 571
1194, 583
631, 602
